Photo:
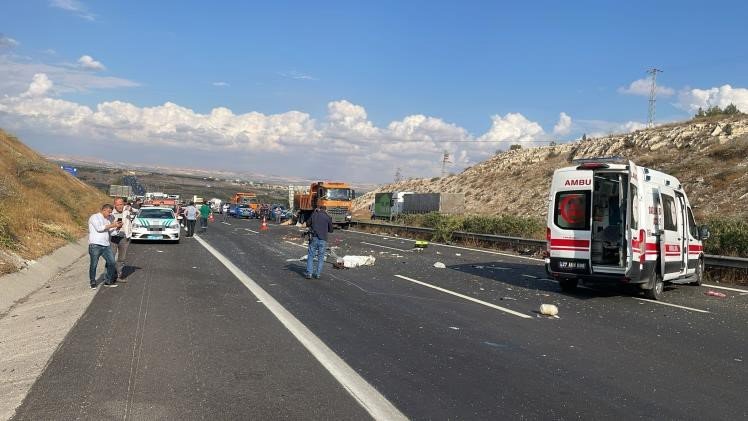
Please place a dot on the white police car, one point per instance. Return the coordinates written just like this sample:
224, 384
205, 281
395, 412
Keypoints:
155, 223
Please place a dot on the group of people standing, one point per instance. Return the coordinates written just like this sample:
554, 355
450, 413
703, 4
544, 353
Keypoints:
109, 234
190, 215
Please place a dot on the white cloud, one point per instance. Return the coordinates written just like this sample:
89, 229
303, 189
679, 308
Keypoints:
513, 127
563, 127
293, 74
691, 99
7, 42
641, 87
600, 128
221, 84
67, 78
39, 86
87, 62
76, 7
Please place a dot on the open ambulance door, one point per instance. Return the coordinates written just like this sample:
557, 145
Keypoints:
634, 236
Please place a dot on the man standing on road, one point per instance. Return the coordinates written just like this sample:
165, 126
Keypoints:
120, 238
190, 215
204, 214
320, 224
100, 226
225, 211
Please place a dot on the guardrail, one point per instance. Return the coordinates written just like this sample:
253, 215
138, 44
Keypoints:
709, 259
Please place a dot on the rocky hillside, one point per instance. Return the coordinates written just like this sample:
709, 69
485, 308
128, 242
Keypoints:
710, 157
41, 207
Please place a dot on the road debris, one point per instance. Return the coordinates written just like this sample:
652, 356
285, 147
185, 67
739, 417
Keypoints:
439, 265
508, 298
454, 328
548, 310
421, 244
356, 261
712, 293
458, 254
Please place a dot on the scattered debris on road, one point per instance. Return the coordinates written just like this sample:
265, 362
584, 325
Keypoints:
458, 254
548, 310
356, 261
712, 293
421, 244
439, 265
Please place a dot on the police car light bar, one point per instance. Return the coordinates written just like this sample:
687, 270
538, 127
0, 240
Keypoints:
610, 159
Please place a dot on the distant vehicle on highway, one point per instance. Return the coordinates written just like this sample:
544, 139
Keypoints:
244, 211
285, 213
156, 223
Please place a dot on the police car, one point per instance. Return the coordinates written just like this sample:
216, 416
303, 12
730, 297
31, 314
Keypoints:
156, 223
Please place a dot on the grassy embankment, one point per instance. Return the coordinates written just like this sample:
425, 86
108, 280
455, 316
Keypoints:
41, 207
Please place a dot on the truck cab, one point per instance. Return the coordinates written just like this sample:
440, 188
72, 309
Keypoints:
611, 220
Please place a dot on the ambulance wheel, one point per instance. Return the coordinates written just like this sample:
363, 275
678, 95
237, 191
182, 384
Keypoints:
655, 293
568, 285
699, 275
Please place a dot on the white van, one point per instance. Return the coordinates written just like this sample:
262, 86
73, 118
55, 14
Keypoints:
611, 220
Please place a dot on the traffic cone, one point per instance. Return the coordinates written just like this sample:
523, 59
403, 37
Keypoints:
264, 225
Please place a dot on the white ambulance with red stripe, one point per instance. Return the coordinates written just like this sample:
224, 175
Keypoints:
611, 220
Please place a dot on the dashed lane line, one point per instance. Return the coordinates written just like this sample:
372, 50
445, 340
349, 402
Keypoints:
475, 300
295, 244
670, 305
530, 276
365, 394
386, 247
247, 229
725, 288
451, 246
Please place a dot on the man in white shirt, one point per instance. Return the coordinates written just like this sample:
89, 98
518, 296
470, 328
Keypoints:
120, 238
190, 212
99, 229
225, 211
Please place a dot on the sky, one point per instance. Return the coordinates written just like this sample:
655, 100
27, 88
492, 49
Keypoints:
353, 90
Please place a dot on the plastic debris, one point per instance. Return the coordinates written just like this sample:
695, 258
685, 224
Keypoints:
548, 310
712, 293
458, 254
356, 261
421, 244
439, 265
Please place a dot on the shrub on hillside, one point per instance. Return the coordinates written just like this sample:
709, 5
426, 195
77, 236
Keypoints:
729, 237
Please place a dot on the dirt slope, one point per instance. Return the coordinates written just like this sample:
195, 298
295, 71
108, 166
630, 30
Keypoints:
41, 207
709, 157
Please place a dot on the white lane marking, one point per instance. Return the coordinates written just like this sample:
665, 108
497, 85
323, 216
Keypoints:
671, 305
529, 276
386, 247
367, 396
451, 246
225, 223
725, 288
475, 300
294, 244
247, 229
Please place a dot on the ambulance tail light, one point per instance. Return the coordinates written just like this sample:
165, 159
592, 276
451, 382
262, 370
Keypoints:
593, 166
642, 246
548, 239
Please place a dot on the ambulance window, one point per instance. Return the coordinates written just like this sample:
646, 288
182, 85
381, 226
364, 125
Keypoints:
572, 210
692, 228
634, 208
668, 208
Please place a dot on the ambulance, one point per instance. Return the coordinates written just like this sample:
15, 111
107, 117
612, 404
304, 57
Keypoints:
610, 220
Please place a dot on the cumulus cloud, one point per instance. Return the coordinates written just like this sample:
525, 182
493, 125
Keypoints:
693, 99
641, 87
76, 7
87, 62
7, 42
563, 127
221, 84
345, 135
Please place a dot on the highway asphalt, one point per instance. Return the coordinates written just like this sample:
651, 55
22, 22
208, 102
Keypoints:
185, 339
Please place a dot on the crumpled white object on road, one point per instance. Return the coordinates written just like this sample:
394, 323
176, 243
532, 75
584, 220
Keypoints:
356, 261
548, 310
439, 265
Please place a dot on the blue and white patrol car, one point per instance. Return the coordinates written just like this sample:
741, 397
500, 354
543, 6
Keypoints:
156, 223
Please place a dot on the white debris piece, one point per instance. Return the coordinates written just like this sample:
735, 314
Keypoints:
548, 310
458, 254
439, 265
303, 258
356, 261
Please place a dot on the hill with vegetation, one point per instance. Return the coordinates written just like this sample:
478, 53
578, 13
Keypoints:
509, 191
41, 207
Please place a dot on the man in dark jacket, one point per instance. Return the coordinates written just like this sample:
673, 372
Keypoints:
320, 224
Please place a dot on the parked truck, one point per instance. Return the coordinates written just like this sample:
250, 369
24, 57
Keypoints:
335, 196
450, 203
389, 205
246, 198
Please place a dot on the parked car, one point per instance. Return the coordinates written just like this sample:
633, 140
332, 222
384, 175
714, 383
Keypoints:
244, 211
155, 223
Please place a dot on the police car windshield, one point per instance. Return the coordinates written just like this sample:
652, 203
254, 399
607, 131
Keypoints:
156, 214
337, 194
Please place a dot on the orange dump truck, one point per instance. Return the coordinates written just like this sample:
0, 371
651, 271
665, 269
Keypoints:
246, 198
335, 196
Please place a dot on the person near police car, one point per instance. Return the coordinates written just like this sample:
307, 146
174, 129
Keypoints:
100, 226
120, 238
320, 224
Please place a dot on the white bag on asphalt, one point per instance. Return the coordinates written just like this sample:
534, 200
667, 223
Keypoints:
356, 261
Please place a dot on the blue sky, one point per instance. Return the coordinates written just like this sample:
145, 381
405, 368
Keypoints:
329, 79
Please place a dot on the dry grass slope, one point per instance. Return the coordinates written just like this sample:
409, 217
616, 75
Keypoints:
41, 206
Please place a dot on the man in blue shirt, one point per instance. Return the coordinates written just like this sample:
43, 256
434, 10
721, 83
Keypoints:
320, 224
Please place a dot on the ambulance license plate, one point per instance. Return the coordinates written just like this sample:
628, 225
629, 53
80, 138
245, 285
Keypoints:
572, 265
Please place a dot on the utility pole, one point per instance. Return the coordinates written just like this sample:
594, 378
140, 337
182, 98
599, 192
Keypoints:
652, 96
398, 175
445, 161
